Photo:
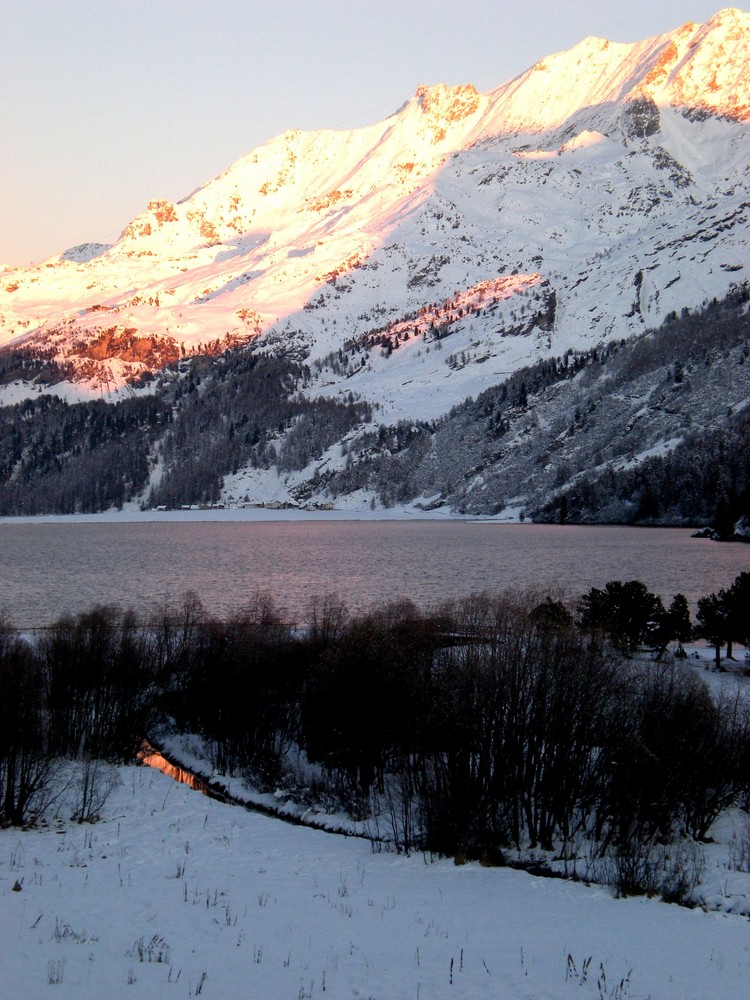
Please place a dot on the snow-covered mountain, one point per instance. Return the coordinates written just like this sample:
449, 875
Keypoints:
585, 200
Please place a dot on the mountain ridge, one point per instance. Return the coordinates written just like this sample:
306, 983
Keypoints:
424, 259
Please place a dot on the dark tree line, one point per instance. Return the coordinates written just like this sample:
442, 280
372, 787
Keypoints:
32, 364
631, 616
704, 480
247, 408
209, 417
490, 722
63, 458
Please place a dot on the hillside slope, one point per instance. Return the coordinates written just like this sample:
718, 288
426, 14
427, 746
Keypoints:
652, 430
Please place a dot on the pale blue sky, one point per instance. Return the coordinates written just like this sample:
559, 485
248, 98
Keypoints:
105, 104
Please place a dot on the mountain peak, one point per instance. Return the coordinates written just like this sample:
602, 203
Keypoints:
705, 69
448, 104
729, 16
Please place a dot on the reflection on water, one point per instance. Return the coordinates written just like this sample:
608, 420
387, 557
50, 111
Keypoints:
47, 569
152, 758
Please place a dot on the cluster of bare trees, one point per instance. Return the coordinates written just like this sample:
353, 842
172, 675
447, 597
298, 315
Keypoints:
82, 691
491, 722
505, 721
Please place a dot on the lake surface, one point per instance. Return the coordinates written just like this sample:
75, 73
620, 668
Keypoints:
50, 568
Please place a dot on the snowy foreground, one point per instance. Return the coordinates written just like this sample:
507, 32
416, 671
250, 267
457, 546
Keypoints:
175, 895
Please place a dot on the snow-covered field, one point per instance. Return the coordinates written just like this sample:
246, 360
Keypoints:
176, 895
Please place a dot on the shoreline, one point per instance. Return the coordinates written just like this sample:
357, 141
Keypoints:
268, 515
255, 514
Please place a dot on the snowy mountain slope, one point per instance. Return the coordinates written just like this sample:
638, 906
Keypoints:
609, 182
578, 426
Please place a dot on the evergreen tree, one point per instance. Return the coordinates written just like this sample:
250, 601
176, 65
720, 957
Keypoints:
738, 612
712, 621
627, 612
